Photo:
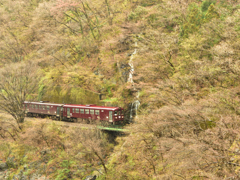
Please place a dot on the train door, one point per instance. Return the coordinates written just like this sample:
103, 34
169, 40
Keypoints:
68, 112
61, 112
110, 116
58, 111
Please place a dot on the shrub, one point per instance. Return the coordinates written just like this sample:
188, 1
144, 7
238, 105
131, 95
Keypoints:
137, 14
196, 17
206, 4
194, 20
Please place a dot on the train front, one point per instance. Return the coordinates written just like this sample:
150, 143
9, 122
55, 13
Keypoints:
118, 116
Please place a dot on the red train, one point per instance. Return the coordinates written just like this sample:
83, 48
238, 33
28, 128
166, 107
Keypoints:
75, 112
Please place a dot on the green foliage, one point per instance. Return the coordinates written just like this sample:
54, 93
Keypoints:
211, 13
40, 91
63, 174
5, 150
205, 5
146, 3
137, 14
77, 86
152, 18
112, 100
194, 21
196, 17
66, 163
207, 124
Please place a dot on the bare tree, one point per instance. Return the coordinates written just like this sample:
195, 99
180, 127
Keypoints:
17, 82
94, 145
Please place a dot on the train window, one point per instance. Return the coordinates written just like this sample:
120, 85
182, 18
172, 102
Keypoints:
91, 111
25, 105
82, 111
73, 110
97, 112
40, 106
48, 107
86, 111
115, 113
36, 106
43, 107
77, 110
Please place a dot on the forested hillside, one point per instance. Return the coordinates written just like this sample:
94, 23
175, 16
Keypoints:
173, 65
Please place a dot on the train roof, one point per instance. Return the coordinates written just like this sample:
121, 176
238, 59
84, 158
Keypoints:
44, 103
91, 106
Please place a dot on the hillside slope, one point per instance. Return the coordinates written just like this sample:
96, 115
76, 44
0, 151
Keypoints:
172, 64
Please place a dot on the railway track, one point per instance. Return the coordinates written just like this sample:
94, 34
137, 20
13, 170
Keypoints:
37, 120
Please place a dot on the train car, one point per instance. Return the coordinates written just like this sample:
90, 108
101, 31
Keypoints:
42, 109
75, 112
112, 115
